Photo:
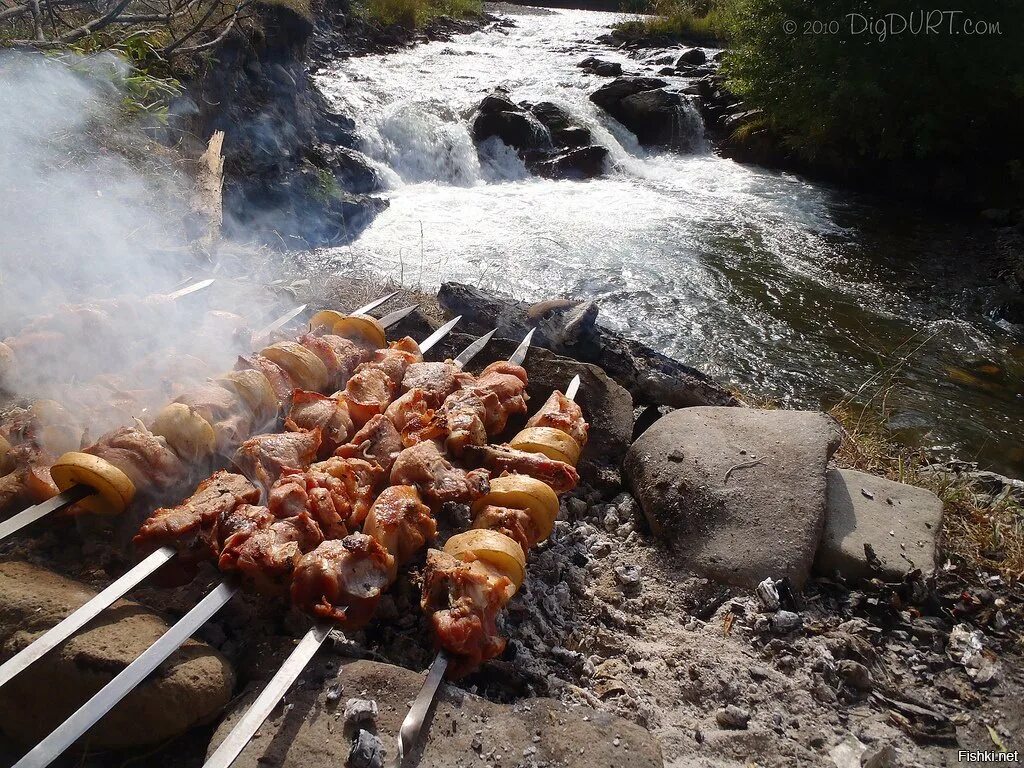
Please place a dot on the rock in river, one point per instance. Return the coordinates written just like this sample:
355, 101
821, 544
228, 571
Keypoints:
465, 731
600, 67
657, 116
190, 688
738, 493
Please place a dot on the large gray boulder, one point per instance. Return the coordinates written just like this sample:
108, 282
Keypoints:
876, 527
188, 689
466, 730
738, 493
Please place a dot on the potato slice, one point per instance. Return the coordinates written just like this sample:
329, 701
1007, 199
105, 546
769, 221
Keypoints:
5, 448
325, 320
114, 490
362, 328
495, 549
190, 435
304, 368
7, 365
254, 388
526, 493
553, 443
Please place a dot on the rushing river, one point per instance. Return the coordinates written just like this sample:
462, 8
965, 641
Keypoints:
780, 286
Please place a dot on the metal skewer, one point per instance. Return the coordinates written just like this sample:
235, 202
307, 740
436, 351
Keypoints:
299, 658
188, 289
85, 613
73, 495
410, 732
50, 748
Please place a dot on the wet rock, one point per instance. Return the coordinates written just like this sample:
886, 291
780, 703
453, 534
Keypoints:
596, 66
732, 718
464, 727
608, 96
606, 404
651, 377
516, 128
190, 688
692, 56
658, 117
739, 494
580, 163
564, 132
899, 523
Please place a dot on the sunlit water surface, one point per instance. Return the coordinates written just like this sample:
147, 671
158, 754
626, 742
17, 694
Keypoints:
777, 285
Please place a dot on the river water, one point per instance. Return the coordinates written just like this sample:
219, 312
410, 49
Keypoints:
780, 286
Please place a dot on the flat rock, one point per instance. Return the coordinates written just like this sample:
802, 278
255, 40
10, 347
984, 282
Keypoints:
190, 688
606, 405
901, 523
738, 493
309, 733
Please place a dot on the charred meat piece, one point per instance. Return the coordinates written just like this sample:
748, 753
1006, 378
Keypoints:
311, 410
400, 523
506, 382
414, 418
462, 600
279, 379
266, 557
435, 380
343, 580
559, 412
262, 458
192, 526
337, 493
482, 410
340, 356
500, 459
425, 467
146, 458
374, 384
514, 523
378, 442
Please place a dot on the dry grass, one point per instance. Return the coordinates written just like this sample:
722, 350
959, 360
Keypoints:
978, 532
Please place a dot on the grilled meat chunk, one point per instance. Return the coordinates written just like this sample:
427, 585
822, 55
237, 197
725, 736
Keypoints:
400, 523
378, 442
145, 458
279, 379
265, 555
559, 412
337, 493
500, 459
514, 523
375, 383
424, 466
482, 409
263, 458
311, 410
343, 580
340, 356
462, 600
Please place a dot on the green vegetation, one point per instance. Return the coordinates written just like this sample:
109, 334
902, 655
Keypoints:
413, 14
693, 21
850, 84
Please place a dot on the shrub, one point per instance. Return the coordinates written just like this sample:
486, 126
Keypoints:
413, 14
690, 21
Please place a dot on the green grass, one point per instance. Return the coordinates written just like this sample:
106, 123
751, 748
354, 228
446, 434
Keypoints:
414, 14
682, 20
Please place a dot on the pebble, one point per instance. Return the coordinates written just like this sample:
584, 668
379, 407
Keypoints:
855, 674
732, 718
367, 751
359, 711
785, 622
628, 577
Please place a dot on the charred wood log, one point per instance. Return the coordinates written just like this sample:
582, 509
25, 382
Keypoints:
571, 329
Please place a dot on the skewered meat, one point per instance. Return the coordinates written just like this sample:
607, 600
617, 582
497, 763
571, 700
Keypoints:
45, 424
276, 375
425, 467
337, 493
374, 384
224, 409
343, 580
266, 557
435, 380
378, 441
414, 418
145, 458
311, 410
482, 409
11, 488
192, 526
559, 412
340, 356
517, 524
462, 600
499, 459
401, 523
262, 458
